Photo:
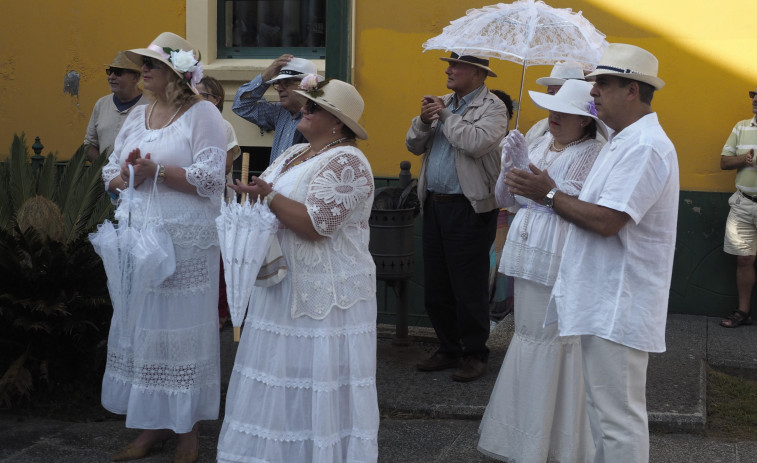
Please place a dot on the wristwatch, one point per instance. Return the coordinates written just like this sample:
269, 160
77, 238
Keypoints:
549, 200
161, 173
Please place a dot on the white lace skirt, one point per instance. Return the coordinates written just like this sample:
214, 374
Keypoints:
302, 390
166, 374
537, 410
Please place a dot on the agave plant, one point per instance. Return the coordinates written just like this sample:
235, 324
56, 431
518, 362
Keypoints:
54, 304
78, 192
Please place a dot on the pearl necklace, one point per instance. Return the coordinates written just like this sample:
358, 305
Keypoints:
149, 116
296, 155
552, 146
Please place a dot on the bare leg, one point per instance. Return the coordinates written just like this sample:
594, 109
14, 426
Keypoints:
745, 277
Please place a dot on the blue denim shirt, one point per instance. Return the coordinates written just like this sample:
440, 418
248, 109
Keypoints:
268, 116
441, 174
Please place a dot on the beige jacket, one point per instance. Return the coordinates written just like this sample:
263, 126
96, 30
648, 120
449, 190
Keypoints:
475, 135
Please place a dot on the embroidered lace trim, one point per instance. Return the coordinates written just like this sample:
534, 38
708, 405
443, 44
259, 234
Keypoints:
309, 332
190, 275
168, 361
294, 436
303, 383
207, 174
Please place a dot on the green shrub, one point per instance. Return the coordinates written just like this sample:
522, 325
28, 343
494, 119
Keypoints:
54, 304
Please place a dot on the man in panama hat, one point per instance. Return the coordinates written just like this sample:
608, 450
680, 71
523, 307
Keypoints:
110, 111
284, 74
612, 288
458, 135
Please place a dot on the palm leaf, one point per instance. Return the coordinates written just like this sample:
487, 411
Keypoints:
6, 204
47, 177
67, 188
21, 180
91, 205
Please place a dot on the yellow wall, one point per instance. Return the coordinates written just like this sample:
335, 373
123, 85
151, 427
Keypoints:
43, 40
706, 54
705, 51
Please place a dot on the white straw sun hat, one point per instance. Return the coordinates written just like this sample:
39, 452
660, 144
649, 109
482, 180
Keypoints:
296, 68
630, 62
572, 98
176, 53
561, 72
339, 98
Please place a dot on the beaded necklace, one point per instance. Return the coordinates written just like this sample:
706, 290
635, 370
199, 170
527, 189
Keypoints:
296, 155
552, 146
149, 116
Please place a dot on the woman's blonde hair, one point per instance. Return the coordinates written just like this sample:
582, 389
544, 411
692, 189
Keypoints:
177, 92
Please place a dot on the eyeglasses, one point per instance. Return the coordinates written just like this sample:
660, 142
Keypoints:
149, 63
207, 96
118, 72
752, 94
311, 107
284, 83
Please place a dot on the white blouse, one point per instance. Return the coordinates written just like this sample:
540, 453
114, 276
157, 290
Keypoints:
533, 249
195, 141
337, 189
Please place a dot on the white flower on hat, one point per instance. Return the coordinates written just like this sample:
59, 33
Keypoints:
183, 61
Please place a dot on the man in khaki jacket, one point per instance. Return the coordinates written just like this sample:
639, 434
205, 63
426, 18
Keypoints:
459, 134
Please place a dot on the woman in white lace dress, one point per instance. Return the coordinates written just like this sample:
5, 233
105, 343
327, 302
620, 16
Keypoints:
536, 412
166, 376
303, 387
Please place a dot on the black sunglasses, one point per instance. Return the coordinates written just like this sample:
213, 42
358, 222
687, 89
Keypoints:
752, 94
311, 106
118, 72
149, 63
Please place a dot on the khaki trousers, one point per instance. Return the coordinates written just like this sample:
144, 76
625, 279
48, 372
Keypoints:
616, 380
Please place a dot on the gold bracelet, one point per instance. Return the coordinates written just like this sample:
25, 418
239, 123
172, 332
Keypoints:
161, 173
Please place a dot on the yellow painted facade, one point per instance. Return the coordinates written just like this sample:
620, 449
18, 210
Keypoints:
44, 40
705, 55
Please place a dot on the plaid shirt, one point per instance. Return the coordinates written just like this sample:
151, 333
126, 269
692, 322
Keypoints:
268, 116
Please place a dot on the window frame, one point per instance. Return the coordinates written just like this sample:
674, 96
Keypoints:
335, 53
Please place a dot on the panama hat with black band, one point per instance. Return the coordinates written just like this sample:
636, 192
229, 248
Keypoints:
482, 63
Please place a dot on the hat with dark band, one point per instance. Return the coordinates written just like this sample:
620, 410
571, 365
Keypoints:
482, 63
629, 62
296, 68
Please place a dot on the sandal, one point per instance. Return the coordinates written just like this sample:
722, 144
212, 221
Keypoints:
737, 318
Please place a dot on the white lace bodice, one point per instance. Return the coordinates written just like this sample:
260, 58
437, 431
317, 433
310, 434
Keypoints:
337, 189
533, 248
196, 142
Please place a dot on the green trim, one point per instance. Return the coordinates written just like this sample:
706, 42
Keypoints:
338, 33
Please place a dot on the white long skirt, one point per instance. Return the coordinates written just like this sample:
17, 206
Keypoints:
302, 390
537, 410
167, 373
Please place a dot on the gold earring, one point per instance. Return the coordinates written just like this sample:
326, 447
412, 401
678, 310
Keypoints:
333, 131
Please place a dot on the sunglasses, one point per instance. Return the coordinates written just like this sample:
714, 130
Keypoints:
118, 72
752, 94
149, 63
207, 96
311, 107
284, 83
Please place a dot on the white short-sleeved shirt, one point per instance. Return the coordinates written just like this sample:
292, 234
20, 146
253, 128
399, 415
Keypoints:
617, 287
